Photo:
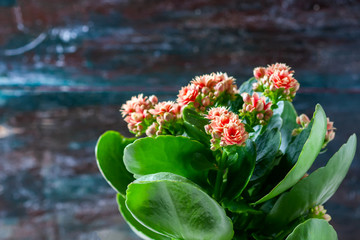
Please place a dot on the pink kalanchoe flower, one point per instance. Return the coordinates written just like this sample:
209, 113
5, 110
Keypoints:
136, 104
330, 133
234, 134
136, 112
216, 112
277, 82
187, 95
203, 81
225, 128
259, 72
283, 79
277, 67
165, 107
205, 90
255, 109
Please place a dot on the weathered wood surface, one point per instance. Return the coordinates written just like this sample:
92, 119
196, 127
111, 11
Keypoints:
67, 66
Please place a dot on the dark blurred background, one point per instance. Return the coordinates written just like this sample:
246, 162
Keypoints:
66, 66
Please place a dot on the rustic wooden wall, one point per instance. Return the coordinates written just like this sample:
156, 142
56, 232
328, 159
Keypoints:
66, 67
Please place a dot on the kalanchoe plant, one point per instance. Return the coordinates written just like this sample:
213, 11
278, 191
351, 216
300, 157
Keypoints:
224, 163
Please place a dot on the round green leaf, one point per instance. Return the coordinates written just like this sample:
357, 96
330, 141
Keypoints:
315, 189
175, 154
240, 170
109, 155
304, 158
267, 146
247, 86
137, 227
172, 205
313, 229
288, 115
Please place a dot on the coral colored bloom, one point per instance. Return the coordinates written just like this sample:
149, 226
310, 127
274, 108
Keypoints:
255, 109
277, 67
216, 112
187, 95
330, 133
225, 128
259, 72
283, 79
136, 104
206, 80
164, 107
234, 134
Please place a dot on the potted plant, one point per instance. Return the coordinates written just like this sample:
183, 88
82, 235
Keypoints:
224, 162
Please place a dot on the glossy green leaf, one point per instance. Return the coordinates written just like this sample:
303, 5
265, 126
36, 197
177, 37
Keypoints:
305, 158
172, 205
175, 154
194, 118
109, 155
140, 230
240, 171
288, 115
315, 189
239, 206
247, 86
236, 104
313, 229
267, 146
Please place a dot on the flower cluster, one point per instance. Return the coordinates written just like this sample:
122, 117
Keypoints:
225, 128
303, 120
255, 110
206, 90
319, 212
147, 115
276, 81
167, 115
136, 113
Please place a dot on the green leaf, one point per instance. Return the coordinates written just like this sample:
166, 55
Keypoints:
239, 206
313, 229
109, 155
267, 145
306, 157
315, 189
247, 86
137, 227
194, 125
172, 205
240, 171
236, 104
288, 115
175, 154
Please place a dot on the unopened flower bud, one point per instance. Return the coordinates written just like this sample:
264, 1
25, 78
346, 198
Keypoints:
217, 94
260, 106
220, 87
259, 72
272, 88
255, 86
138, 117
205, 102
151, 130
246, 97
260, 116
153, 99
205, 90
168, 116
249, 108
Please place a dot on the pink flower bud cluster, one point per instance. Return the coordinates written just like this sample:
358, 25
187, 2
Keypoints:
204, 91
147, 115
225, 128
303, 120
330, 132
319, 212
255, 109
166, 115
136, 113
276, 81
